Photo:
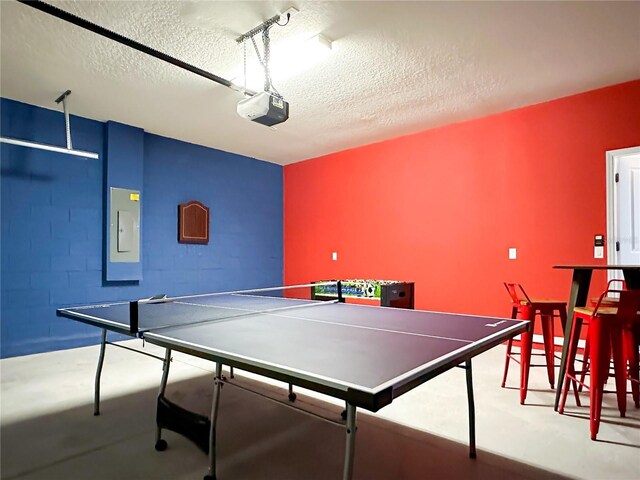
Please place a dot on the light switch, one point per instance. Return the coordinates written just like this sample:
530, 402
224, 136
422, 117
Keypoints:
512, 254
598, 246
334, 256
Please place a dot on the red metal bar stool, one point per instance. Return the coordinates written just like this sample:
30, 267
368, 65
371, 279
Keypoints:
526, 308
631, 340
610, 301
605, 301
607, 327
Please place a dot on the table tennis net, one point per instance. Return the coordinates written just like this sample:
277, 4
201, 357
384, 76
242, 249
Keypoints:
189, 310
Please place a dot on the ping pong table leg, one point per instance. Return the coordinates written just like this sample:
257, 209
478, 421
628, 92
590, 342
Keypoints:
351, 442
472, 410
96, 397
214, 417
160, 443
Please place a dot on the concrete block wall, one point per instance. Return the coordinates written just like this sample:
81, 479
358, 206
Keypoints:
52, 227
245, 201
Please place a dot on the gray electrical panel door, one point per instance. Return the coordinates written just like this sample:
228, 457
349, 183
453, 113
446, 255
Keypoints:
124, 225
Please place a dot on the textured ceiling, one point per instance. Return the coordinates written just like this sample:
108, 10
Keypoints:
395, 68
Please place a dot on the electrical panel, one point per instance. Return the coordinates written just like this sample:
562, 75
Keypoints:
124, 225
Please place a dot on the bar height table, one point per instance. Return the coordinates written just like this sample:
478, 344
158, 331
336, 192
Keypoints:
578, 298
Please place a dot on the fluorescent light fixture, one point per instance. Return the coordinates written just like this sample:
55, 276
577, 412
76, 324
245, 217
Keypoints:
51, 148
286, 61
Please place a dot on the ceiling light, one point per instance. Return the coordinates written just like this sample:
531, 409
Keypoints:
286, 60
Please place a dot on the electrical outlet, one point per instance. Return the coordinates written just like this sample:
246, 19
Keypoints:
334, 256
512, 253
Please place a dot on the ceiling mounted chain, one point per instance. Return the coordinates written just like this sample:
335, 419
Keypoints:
266, 43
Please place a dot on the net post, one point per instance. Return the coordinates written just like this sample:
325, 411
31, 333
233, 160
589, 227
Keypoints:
340, 297
133, 317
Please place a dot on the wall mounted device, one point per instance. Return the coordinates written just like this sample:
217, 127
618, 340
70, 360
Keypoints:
124, 225
598, 246
264, 108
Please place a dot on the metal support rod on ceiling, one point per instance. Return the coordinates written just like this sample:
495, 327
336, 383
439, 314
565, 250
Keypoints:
92, 27
63, 98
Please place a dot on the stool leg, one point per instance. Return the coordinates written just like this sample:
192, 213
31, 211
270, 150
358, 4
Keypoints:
600, 344
586, 362
631, 341
525, 356
571, 355
595, 410
563, 319
547, 334
571, 367
620, 373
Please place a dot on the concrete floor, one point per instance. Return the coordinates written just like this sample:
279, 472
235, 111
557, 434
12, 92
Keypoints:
48, 429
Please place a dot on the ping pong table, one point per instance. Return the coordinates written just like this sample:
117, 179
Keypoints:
364, 355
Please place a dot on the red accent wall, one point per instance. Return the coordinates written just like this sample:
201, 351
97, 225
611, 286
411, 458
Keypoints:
443, 206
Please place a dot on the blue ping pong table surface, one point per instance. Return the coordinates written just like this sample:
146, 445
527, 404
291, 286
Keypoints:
333, 347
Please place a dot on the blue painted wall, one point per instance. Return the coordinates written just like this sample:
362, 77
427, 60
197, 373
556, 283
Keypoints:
124, 162
52, 228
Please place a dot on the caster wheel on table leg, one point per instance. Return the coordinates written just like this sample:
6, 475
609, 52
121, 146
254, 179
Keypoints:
292, 397
344, 414
161, 445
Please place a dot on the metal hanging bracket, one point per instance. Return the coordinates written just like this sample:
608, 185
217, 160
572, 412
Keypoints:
287, 14
260, 28
62, 98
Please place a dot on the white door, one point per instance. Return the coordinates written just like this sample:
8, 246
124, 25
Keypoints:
624, 237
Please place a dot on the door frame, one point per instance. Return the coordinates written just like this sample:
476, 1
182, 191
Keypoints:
611, 157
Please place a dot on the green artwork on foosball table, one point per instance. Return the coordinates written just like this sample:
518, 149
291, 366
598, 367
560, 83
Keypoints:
354, 289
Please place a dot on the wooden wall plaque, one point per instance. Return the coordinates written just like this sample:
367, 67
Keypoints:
193, 223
